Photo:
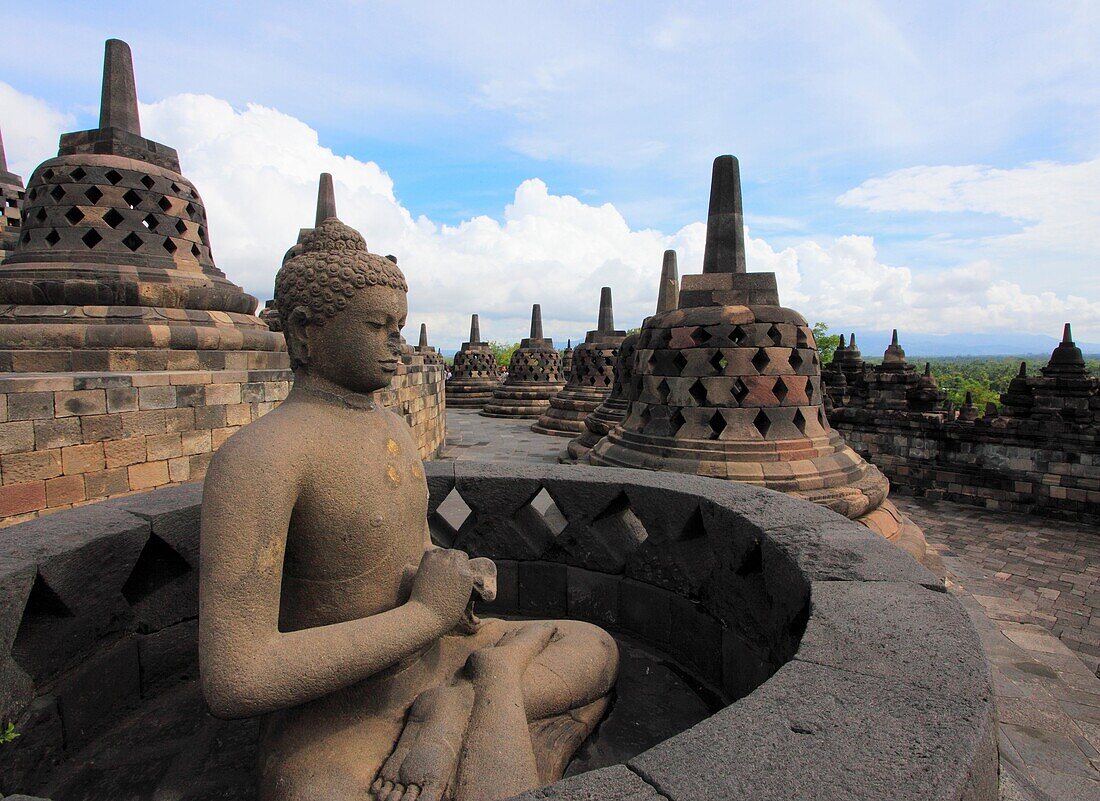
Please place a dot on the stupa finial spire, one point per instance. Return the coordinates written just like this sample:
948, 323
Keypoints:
668, 293
3, 158
725, 248
326, 201
118, 106
1067, 335
475, 330
423, 335
536, 321
606, 321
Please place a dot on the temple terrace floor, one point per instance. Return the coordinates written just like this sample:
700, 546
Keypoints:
1031, 585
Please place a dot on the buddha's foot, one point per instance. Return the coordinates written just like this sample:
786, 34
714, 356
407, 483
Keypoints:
512, 653
424, 760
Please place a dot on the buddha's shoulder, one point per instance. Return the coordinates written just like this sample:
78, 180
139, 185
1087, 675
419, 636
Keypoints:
281, 433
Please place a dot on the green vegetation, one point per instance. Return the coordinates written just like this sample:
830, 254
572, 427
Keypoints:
826, 343
8, 733
502, 352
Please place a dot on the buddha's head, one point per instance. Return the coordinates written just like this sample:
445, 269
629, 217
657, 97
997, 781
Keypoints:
342, 309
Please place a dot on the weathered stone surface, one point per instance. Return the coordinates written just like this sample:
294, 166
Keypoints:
616, 783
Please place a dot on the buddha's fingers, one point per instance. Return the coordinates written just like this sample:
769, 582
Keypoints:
485, 577
413, 793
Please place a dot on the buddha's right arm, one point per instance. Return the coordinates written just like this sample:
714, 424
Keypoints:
249, 667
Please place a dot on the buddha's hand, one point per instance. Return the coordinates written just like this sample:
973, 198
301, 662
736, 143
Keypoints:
444, 584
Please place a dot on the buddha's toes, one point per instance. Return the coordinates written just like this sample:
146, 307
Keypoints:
425, 758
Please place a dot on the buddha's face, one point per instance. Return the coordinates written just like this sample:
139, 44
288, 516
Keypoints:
359, 348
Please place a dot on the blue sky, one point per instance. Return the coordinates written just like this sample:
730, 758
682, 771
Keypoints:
917, 162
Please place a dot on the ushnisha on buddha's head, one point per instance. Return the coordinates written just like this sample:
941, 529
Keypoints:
342, 309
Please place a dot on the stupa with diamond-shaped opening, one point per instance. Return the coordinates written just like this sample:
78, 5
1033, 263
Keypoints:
475, 373
534, 376
610, 414
112, 269
11, 201
591, 378
729, 386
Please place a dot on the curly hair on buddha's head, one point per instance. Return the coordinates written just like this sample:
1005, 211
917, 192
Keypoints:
331, 265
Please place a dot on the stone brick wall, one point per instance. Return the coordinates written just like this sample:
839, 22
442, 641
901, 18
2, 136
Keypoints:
1034, 467
69, 439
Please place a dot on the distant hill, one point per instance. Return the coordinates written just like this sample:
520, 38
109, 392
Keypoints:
873, 343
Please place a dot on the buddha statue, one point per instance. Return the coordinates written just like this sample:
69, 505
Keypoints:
324, 606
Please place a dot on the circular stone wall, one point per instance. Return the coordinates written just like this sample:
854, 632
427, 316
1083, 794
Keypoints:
844, 668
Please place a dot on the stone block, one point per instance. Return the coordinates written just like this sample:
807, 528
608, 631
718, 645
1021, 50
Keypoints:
99, 693
56, 433
124, 452
106, 483
30, 406
17, 499
168, 655
222, 394
20, 467
542, 589
122, 399
179, 469
80, 402
593, 596
220, 435
744, 666
17, 437
614, 783
65, 490
193, 442
178, 420
101, 427
78, 459
695, 638
148, 475
238, 414
163, 446
151, 421
645, 610
157, 397
209, 417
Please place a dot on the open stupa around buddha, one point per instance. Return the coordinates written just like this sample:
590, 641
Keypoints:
729, 386
475, 374
591, 378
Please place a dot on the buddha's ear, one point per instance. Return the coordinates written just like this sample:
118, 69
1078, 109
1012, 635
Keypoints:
297, 335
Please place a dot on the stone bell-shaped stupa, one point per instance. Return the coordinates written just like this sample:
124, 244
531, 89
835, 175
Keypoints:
475, 373
567, 361
591, 379
113, 268
729, 385
610, 414
426, 351
11, 201
534, 376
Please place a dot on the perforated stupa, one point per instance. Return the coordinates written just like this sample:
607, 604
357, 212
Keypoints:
534, 376
475, 373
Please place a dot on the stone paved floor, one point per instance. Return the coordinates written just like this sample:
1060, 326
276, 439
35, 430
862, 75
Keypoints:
1031, 586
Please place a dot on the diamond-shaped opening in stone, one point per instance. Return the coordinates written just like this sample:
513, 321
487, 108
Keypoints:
26, 237
800, 420
132, 198
38, 624
175, 187
762, 423
150, 222
454, 510
775, 335
739, 391
543, 503
133, 241
190, 209
92, 238
644, 417
760, 361
52, 238
679, 361
170, 246
795, 359
78, 174
780, 389
676, 422
57, 193
48, 174
41, 215
699, 393
164, 203
147, 182
93, 194
113, 218
195, 251
803, 338
717, 424
113, 176
810, 391
700, 336
737, 335
202, 234
662, 391
719, 362
181, 226
158, 565
74, 215
33, 194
